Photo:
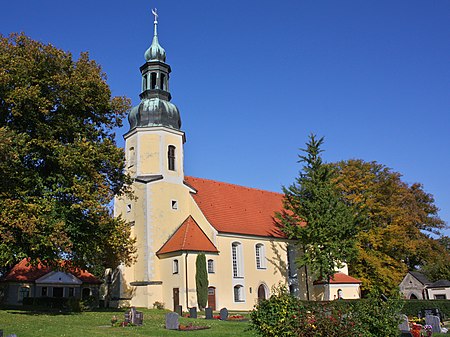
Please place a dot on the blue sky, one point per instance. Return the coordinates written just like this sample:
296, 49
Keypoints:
253, 78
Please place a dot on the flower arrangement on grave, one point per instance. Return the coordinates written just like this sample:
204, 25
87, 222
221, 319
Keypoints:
114, 320
427, 331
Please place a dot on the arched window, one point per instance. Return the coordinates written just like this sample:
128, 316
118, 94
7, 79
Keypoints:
175, 267
210, 266
260, 256
238, 293
171, 157
236, 252
153, 81
144, 82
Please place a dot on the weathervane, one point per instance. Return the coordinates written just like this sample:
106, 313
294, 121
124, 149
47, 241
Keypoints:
155, 13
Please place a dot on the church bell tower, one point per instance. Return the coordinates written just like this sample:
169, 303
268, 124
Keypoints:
154, 159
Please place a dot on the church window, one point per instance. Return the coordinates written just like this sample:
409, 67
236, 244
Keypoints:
174, 204
210, 266
236, 252
153, 81
260, 256
44, 291
175, 267
171, 157
238, 293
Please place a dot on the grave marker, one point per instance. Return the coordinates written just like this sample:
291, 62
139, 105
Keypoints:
172, 322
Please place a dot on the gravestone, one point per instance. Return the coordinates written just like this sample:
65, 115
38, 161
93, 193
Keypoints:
13, 335
433, 311
404, 324
208, 313
138, 318
406, 334
172, 322
223, 314
179, 310
434, 321
1, 333
127, 317
193, 312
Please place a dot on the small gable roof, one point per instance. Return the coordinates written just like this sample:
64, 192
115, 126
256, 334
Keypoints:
25, 272
341, 278
188, 237
420, 277
237, 209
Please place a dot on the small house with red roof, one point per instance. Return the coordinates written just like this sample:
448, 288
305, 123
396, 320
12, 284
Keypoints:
27, 280
175, 217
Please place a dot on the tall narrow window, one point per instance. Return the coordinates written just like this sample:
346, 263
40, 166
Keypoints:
260, 256
163, 82
144, 82
236, 252
210, 266
175, 267
171, 157
153, 81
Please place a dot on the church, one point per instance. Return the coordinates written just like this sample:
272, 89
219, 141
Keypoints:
175, 217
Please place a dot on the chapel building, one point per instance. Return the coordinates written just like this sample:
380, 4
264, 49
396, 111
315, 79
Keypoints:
176, 217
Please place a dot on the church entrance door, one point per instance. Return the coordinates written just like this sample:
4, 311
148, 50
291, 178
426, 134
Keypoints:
212, 298
176, 298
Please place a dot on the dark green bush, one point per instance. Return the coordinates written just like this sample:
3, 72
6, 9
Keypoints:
413, 307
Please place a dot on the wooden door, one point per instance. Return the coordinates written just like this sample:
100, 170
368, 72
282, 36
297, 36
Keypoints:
176, 298
212, 298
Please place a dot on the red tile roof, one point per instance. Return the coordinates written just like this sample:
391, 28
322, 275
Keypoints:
237, 209
341, 278
188, 237
25, 272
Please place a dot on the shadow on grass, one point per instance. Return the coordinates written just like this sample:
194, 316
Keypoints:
34, 311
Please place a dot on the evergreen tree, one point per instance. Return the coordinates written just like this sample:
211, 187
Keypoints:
201, 281
315, 216
60, 167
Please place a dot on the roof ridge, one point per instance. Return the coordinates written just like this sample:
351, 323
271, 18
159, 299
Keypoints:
231, 184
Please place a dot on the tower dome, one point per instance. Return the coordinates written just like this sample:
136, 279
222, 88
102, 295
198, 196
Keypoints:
155, 52
155, 108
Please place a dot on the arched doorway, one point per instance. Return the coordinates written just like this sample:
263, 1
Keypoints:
212, 298
262, 293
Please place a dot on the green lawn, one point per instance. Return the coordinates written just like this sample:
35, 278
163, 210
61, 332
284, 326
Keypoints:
97, 323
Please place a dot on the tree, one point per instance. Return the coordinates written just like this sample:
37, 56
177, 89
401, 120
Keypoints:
397, 217
59, 162
201, 281
316, 217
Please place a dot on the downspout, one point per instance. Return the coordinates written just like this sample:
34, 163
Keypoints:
186, 272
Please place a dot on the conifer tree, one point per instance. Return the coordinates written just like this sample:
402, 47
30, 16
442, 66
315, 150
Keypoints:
201, 281
315, 216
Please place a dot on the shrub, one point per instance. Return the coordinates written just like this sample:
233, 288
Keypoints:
285, 315
277, 315
413, 307
158, 305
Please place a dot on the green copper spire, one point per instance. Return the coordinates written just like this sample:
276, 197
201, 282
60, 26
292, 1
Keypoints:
155, 52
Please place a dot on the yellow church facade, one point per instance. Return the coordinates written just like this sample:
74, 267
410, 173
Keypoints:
175, 217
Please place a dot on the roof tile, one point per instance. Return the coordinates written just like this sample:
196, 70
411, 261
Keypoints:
237, 209
188, 237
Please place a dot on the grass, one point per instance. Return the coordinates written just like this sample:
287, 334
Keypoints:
98, 323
